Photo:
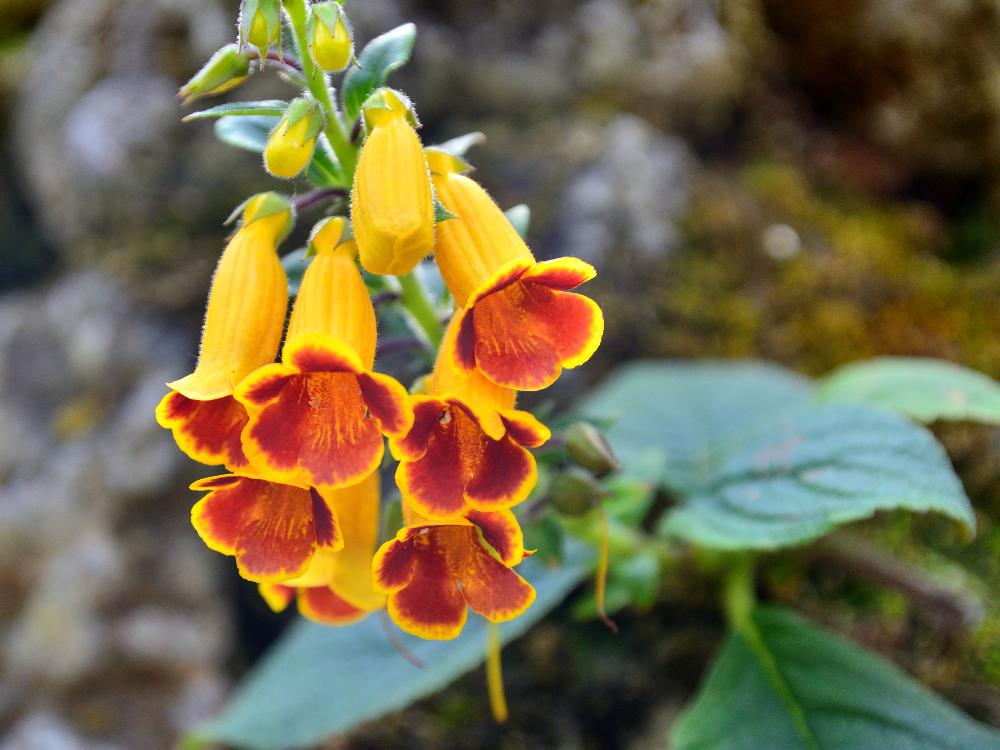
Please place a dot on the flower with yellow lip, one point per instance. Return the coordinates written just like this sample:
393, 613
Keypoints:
434, 572
318, 417
243, 323
330, 39
468, 444
336, 588
291, 144
392, 207
518, 323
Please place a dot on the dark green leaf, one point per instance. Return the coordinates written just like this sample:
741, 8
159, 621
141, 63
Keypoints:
378, 59
782, 683
675, 419
319, 681
812, 470
925, 389
271, 107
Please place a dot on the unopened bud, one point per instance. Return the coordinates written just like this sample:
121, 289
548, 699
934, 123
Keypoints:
587, 447
260, 24
575, 492
331, 42
275, 208
224, 70
291, 144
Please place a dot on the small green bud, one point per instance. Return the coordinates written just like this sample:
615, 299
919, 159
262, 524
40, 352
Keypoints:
224, 70
575, 492
260, 24
291, 144
331, 42
587, 447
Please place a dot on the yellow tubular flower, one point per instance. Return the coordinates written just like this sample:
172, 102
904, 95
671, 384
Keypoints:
392, 207
291, 144
469, 251
246, 304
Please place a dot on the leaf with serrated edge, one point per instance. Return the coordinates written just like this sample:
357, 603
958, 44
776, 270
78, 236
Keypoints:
783, 683
320, 681
925, 389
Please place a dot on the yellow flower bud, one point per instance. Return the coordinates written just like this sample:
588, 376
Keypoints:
392, 207
330, 39
291, 144
246, 304
260, 23
224, 70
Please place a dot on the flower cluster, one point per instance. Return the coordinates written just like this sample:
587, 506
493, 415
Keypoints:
303, 437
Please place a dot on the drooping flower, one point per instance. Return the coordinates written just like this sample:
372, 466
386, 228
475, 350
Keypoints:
392, 208
331, 42
225, 70
291, 144
337, 586
519, 324
243, 322
273, 530
318, 417
433, 573
260, 24
468, 445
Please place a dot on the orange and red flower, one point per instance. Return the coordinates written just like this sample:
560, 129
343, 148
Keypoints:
519, 323
318, 417
467, 447
432, 574
273, 530
243, 322
336, 589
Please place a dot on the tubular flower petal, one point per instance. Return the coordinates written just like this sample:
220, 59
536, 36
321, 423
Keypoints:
519, 325
273, 530
207, 431
336, 588
467, 446
392, 208
433, 573
318, 418
246, 304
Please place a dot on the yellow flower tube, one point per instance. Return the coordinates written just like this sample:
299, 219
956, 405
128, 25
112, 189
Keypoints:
392, 207
246, 304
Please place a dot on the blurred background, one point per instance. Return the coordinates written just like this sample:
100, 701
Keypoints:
799, 181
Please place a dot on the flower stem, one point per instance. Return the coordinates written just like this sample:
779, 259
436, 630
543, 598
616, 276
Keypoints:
494, 675
316, 82
415, 300
739, 598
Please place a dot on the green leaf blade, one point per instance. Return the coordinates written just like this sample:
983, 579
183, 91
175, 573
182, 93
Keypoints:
784, 683
319, 681
815, 469
273, 107
924, 389
380, 57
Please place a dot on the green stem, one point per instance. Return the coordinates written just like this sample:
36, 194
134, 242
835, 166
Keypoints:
414, 298
317, 85
739, 598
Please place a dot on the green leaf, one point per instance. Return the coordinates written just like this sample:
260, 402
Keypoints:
812, 470
249, 133
378, 59
295, 264
233, 109
674, 420
520, 217
925, 389
783, 683
319, 681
